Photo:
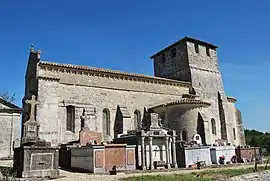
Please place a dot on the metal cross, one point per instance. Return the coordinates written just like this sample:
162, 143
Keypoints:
33, 103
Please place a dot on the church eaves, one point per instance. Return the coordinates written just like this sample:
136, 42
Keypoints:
9, 107
184, 101
111, 73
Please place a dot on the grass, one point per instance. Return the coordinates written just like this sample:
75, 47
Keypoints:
195, 176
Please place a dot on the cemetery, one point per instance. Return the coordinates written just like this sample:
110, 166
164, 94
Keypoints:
149, 148
70, 124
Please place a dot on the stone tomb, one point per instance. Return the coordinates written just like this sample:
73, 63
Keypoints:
188, 156
35, 158
102, 158
228, 152
87, 136
247, 154
155, 145
89, 155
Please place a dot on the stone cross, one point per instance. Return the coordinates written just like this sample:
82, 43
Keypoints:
33, 103
84, 119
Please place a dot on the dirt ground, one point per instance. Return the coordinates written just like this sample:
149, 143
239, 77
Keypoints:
71, 176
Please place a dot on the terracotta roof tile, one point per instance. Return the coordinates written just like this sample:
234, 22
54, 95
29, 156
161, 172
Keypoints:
183, 101
102, 70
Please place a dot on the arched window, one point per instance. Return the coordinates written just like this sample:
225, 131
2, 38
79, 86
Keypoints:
213, 124
137, 119
234, 134
70, 120
106, 121
184, 135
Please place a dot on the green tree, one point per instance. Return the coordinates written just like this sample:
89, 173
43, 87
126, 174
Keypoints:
257, 138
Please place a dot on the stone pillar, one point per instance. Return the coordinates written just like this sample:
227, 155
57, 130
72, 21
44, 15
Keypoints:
151, 166
174, 163
143, 153
167, 152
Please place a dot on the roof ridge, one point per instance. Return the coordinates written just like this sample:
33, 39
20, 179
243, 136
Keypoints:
84, 67
9, 104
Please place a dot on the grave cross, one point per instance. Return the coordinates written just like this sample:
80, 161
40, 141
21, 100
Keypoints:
156, 150
33, 103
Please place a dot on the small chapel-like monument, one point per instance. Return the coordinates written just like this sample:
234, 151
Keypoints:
35, 157
155, 145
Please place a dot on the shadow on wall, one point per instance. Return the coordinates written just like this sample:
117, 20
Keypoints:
200, 128
118, 122
222, 118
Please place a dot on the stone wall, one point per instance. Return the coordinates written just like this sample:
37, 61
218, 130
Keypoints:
10, 130
58, 89
173, 63
202, 71
114, 81
233, 128
47, 110
207, 82
241, 131
199, 65
183, 120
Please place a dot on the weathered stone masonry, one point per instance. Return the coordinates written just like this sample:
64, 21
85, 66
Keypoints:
10, 118
109, 95
60, 86
196, 61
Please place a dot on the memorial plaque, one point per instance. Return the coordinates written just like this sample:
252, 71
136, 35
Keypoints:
99, 159
41, 161
130, 157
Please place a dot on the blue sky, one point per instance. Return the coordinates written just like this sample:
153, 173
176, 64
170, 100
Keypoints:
124, 34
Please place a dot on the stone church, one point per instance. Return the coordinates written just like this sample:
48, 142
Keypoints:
186, 91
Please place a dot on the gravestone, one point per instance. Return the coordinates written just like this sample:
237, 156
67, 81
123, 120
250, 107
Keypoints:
86, 135
155, 121
31, 127
35, 158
